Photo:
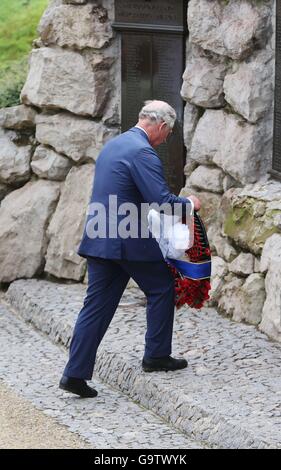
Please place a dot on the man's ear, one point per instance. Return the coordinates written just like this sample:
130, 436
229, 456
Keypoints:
163, 125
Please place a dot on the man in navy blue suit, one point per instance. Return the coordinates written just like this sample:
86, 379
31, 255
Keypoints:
128, 170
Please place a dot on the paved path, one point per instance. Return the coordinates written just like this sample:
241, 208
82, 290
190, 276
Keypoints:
22, 426
30, 370
229, 395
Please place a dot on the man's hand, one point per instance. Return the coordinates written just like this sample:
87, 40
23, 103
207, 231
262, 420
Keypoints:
196, 202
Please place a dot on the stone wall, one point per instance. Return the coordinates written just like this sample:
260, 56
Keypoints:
49, 144
71, 106
228, 86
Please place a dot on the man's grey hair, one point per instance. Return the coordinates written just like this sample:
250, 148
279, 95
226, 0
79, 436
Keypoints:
158, 111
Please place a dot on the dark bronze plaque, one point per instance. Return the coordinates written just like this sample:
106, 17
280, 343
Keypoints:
150, 12
152, 67
276, 163
167, 70
136, 75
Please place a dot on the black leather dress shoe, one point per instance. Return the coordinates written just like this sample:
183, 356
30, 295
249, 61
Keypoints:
77, 386
163, 363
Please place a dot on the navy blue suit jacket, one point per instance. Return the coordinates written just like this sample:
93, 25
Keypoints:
129, 168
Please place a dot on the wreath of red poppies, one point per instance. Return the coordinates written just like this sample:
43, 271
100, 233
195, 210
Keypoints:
194, 292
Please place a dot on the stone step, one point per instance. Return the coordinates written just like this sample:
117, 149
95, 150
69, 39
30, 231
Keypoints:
229, 396
31, 367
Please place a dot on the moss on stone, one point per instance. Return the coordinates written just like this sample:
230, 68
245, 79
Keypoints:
248, 230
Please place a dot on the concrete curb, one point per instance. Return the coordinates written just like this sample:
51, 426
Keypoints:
159, 393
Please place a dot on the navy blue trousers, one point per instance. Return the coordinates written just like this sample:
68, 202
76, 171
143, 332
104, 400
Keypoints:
107, 280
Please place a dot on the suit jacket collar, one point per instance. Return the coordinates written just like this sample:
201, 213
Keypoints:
141, 132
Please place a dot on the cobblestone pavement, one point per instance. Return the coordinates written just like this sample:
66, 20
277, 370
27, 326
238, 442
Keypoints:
230, 393
31, 367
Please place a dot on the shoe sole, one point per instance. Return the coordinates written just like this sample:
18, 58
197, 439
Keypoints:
161, 369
